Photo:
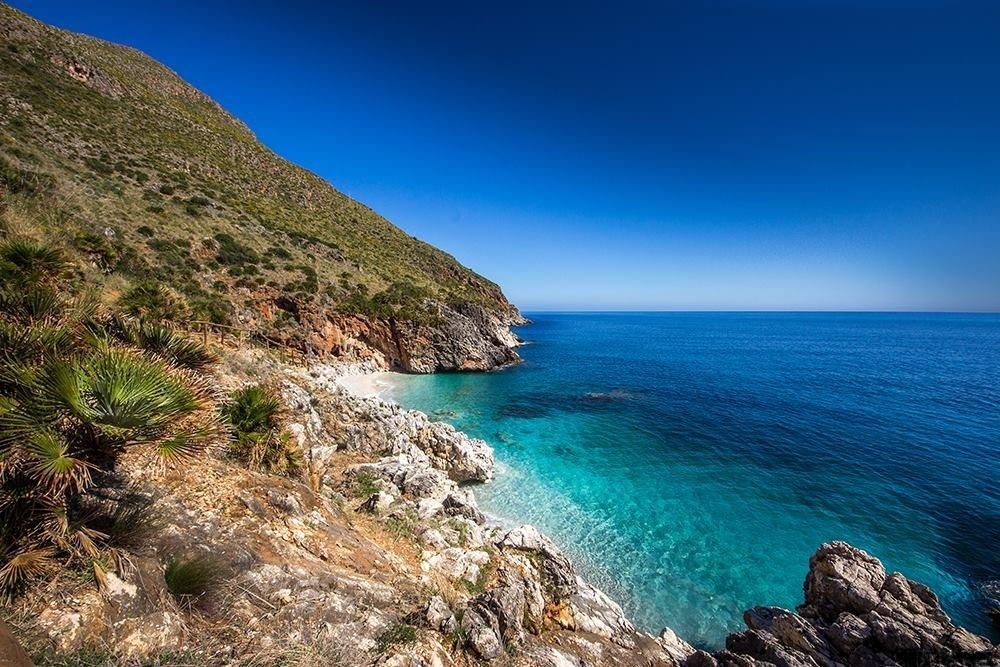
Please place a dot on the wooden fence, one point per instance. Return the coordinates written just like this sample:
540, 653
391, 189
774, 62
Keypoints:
227, 335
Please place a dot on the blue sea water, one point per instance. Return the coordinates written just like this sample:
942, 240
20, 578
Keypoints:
690, 463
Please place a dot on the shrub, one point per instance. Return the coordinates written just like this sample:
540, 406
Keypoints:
260, 441
146, 230
189, 580
211, 308
395, 634
365, 484
279, 252
152, 302
234, 253
101, 251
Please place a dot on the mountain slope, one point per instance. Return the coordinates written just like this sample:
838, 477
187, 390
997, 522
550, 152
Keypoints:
116, 155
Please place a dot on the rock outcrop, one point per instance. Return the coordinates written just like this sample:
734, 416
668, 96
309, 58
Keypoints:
854, 614
457, 338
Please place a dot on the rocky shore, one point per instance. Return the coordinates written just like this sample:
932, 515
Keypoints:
380, 555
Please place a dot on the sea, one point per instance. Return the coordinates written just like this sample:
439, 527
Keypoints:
690, 463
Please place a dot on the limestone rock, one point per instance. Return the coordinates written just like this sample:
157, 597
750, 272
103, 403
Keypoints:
439, 615
854, 614
558, 575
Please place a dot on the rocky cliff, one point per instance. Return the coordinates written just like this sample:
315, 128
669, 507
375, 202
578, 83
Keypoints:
462, 338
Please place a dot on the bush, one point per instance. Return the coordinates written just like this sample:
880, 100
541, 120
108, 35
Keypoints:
152, 302
191, 579
260, 441
212, 308
398, 633
365, 484
101, 251
234, 253
279, 252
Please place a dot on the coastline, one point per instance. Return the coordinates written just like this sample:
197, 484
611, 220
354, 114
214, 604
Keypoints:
365, 383
584, 607
764, 643
378, 554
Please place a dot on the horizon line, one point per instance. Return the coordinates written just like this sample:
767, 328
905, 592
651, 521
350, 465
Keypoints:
752, 311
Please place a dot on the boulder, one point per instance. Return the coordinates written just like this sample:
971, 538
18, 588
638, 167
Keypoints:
558, 575
854, 614
439, 615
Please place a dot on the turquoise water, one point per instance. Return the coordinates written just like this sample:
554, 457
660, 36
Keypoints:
691, 463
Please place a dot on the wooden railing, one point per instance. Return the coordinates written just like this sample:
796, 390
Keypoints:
228, 335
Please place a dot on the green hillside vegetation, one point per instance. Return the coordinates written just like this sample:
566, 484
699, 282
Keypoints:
176, 205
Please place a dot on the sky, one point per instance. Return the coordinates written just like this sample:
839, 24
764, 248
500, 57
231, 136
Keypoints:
777, 154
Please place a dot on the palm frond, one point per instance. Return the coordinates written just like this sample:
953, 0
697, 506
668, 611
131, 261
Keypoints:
32, 303
55, 469
24, 344
21, 568
182, 446
174, 347
26, 261
58, 391
130, 397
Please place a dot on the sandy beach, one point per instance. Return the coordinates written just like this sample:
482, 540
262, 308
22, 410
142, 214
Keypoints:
366, 383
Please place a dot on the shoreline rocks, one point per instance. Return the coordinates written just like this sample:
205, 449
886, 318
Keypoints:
854, 613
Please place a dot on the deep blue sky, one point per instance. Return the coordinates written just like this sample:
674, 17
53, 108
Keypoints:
752, 155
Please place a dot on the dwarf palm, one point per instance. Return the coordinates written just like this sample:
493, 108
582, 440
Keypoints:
158, 339
260, 442
70, 403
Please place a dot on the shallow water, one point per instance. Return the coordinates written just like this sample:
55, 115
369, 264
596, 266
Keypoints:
691, 463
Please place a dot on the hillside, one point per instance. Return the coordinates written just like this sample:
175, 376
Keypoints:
156, 185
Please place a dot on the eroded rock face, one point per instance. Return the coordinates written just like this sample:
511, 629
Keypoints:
468, 338
854, 614
461, 338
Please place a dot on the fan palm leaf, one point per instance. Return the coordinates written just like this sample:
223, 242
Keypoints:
174, 347
57, 472
27, 261
129, 397
22, 567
